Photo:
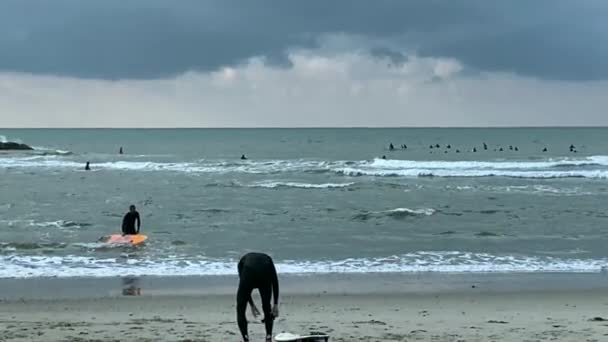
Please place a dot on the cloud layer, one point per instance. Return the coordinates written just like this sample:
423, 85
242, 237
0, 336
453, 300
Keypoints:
115, 39
321, 87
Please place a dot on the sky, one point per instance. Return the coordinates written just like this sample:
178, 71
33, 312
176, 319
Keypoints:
293, 63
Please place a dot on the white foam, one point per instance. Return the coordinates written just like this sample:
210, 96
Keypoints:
392, 164
526, 189
14, 266
261, 167
591, 167
423, 211
60, 224
273, 185
599, 174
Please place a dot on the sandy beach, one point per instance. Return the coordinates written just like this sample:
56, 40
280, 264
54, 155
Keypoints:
482, 312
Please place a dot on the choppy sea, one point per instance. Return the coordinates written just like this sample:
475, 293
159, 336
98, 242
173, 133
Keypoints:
317, 200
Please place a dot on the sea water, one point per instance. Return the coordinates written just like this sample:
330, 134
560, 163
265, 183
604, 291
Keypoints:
317, 200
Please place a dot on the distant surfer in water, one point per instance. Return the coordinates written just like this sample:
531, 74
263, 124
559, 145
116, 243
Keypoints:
87, 167
120, 151
257, 271
128, 222
243, 157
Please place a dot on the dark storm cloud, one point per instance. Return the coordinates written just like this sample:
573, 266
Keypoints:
550, 39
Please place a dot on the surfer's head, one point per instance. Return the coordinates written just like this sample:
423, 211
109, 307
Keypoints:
131, 208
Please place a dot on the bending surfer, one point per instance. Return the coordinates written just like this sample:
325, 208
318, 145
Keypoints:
128, 222
257, 271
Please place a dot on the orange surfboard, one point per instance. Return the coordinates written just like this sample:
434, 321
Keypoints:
127, 239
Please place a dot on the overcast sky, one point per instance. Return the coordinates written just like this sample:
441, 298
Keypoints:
269, 63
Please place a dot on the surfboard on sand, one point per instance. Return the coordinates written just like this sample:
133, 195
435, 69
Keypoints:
313, 337
126, 239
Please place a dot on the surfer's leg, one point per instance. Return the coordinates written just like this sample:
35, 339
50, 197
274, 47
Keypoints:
242, 298
266, 293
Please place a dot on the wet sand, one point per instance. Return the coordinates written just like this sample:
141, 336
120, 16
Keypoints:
482, 311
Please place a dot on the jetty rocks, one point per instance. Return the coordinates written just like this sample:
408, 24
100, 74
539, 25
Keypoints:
7, 146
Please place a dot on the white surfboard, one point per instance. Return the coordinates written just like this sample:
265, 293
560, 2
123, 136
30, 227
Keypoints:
288, 337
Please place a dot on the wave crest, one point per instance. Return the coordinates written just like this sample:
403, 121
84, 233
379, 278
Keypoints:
274, 185
14, 266
590, 167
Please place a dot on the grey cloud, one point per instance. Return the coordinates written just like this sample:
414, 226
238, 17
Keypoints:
396, 57
112, 39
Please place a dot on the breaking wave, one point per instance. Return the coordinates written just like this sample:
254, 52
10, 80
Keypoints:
398, 213
590, 167
13, 266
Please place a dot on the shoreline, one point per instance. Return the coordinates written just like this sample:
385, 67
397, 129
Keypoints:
332, 284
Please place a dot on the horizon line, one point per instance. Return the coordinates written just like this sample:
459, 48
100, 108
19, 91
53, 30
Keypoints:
312, 127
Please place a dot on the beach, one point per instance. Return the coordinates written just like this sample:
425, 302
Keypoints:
552, 307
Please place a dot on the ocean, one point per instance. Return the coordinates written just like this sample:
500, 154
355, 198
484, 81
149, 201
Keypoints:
317, 200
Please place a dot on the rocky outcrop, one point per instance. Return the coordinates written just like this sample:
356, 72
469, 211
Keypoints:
6, 146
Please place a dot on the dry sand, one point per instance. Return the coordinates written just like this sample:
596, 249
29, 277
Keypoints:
458, 316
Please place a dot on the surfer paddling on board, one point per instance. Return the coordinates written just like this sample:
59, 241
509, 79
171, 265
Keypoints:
257, 271
128, 222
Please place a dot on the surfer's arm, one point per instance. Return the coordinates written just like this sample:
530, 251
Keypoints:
124, 225
254, 309
275, 285
138, 223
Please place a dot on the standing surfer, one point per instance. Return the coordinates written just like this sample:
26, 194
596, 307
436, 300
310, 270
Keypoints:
128, 222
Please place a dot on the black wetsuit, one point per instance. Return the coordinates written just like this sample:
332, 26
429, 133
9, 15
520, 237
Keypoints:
256, 271
128, 223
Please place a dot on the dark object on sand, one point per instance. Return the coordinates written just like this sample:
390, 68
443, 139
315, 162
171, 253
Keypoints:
8, 146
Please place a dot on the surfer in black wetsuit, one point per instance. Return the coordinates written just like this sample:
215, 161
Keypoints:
256, 271
128, 222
